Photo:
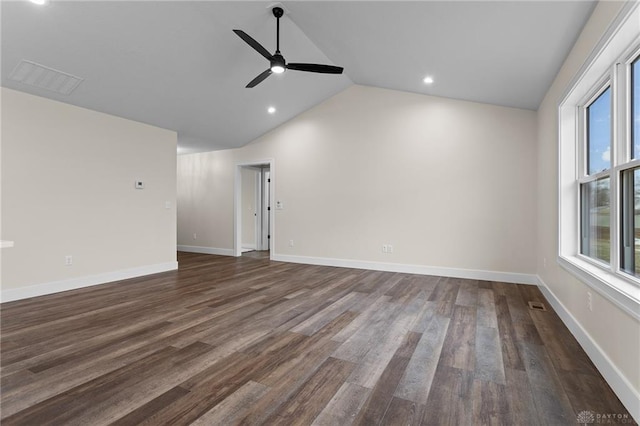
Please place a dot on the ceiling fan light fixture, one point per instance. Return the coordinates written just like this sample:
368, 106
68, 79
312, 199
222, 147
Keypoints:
277, 64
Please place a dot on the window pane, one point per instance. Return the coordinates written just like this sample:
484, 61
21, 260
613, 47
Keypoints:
630, 241
635, 108
596, 235
599, 133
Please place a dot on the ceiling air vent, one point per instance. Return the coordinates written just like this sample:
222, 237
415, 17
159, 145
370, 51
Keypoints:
37, 75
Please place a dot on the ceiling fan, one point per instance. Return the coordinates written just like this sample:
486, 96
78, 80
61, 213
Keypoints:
278, 64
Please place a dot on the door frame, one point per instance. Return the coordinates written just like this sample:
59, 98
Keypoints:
263, 210
237, 204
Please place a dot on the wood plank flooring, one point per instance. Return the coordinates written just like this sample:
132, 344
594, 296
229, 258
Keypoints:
225, 341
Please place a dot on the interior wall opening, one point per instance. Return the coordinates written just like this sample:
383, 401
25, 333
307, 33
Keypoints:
254, 210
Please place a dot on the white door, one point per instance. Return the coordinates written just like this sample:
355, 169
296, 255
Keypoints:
265, 240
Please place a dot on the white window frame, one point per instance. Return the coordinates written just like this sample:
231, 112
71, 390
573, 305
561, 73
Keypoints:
583, 161
608, 64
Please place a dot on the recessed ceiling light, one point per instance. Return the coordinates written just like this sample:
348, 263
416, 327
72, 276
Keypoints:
40, 2
271, 110
428, 80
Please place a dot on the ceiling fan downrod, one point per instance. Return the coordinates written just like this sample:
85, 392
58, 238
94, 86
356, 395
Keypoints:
278, 12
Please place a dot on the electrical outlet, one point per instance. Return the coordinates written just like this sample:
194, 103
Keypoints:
389, 248
290, 243
544, 262
385, 248
589, 301
195, 237
68, 260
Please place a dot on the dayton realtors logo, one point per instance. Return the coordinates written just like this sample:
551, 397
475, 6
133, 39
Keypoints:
589, 417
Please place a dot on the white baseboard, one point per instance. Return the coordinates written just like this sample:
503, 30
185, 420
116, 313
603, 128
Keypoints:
507, 277
629, 397
207, 250
12, 294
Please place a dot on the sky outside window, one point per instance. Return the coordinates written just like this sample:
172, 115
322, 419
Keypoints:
635, 106
599, 133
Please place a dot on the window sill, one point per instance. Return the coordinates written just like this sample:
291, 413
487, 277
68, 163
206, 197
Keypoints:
619, 291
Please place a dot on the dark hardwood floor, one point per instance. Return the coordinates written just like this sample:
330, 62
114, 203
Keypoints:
228, 340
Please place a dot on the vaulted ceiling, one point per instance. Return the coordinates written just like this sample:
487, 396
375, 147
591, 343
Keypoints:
179, 66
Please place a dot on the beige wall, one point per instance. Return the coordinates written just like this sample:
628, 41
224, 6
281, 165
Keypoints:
205, 199
615, 333
448, 183
68, 189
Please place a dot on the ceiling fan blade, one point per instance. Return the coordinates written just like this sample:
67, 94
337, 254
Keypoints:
325, 69
251, 42
258, 79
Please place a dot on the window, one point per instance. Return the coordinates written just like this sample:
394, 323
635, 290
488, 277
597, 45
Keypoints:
599, 171
599, 176
599, 133
595, 183
596, 219
630, 183
630, 241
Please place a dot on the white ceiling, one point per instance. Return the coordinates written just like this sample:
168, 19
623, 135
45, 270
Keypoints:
178, 65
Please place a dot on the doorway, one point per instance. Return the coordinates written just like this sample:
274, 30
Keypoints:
253, 218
